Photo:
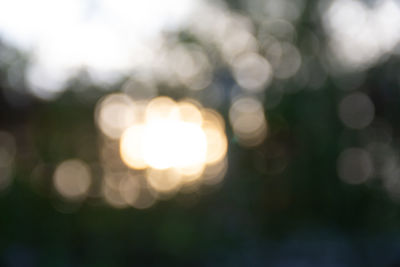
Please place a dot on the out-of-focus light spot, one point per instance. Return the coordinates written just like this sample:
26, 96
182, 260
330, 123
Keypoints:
109, 153
192, 173
214, 129
172, 136
280, 29
120, 189
230, 32
211, 117
191, 66
45, 83
355, 166
272, 49
360, 35
164, 180
132, 147
217, 144
114, 178
386, 162
207, 16
173, 143
114, 114
284, 57
289, 61
140, 88
145, 199
215, 173
383, 156
113, 196
72, 179
248, 121
284, 9
356, 110
130, 189
237, 42
190, 113
160, 109
176, 143
387, 167
113, 39
252, 72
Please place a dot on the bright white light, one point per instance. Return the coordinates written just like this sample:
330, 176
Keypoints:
360, 35
252, 72
172, 143
106, 36
175, 143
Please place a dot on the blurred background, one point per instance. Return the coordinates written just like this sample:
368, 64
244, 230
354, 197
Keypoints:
200, 133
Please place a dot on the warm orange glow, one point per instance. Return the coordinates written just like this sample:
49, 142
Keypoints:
214, 118
132, 147
190, 113
160, 108
175, 143
192, 173
217, 145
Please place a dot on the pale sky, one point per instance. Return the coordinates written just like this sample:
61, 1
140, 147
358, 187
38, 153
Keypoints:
106, 36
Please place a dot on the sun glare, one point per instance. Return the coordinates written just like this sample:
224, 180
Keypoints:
175, 142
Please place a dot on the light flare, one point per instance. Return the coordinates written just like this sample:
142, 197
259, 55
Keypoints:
175, 143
